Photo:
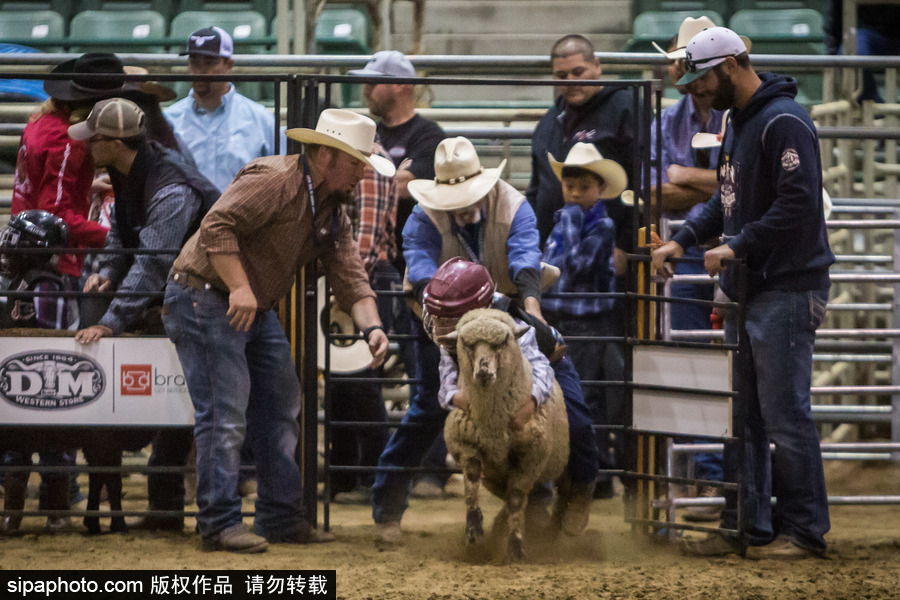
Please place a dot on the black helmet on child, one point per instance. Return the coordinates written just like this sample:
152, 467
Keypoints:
30, 229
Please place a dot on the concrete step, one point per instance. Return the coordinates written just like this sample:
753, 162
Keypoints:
521, 16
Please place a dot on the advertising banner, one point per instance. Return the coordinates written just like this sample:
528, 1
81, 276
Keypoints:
116, 381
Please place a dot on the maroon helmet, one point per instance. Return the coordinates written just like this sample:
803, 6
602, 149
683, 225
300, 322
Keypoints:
457, 287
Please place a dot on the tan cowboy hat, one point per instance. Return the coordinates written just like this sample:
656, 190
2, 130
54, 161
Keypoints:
710, 140
689, 28
587, 157
459, 179
348, 132
157, 90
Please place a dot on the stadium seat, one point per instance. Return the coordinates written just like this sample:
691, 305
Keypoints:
128, 29
817, 5
163, 7
246, 27
264, 7
63, 8
38, 28
659, 27
788, 31
721, 7
342, 31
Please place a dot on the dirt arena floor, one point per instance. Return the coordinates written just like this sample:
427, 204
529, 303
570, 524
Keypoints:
606, 562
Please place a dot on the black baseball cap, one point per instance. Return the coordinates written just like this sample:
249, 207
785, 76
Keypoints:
210, 41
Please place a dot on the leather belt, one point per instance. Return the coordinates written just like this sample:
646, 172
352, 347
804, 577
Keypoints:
192, 281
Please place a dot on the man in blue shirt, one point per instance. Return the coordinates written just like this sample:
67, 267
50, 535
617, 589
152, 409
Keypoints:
223, 129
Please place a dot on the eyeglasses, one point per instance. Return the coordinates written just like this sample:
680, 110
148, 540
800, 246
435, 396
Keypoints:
692, 65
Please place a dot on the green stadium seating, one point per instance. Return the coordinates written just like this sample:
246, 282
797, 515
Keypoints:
33, 28
818, 5
246, 27
264, 7
164, 7
659, 27
342, 31
126, 31
63, 7
699, 7
788, 31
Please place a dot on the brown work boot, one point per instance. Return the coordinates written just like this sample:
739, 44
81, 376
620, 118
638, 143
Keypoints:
577, 511
236, 538
783, 548
696, 514
303, 533
712, 545
388, 533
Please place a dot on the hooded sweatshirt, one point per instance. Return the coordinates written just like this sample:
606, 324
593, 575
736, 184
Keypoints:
769, 202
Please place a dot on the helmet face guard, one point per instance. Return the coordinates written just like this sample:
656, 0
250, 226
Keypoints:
30, 229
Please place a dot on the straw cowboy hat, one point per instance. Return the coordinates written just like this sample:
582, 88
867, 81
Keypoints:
587, 157
346, 358
710, 140
459, 179
151, 88
348, 132
689, 28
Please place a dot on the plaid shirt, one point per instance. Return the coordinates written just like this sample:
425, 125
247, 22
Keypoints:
376, 217
581, 244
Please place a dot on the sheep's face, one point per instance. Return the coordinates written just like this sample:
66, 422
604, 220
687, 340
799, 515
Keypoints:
482, 346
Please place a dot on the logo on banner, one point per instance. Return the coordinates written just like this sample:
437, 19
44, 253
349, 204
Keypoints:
50, 380
137, 380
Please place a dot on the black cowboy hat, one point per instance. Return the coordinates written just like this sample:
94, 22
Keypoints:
99, 75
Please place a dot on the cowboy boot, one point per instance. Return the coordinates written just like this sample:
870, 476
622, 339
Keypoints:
58, 499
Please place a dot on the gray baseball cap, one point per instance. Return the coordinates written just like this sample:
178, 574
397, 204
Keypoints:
387, 63
709, 48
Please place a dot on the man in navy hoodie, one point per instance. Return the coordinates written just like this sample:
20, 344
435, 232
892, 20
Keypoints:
769, 208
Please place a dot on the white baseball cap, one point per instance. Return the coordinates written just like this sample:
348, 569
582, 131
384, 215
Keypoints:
709, 48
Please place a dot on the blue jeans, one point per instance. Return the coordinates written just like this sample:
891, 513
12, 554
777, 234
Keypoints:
873, 43
781, 328
595, 361
240, 383
363, 402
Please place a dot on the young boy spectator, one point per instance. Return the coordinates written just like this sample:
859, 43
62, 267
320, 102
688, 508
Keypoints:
582, 245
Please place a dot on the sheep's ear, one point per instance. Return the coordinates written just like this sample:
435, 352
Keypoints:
521, 329
448, 339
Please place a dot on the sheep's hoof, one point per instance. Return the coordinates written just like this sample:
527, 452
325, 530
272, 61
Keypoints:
474, 529
117, 525
515, 551
93, 525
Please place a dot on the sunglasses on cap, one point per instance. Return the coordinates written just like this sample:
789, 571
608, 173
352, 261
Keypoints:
693, 66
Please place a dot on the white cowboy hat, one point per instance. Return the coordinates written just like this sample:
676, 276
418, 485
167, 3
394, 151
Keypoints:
587, 157
459, 179
710, 140
348, 132
346, 356
689, 28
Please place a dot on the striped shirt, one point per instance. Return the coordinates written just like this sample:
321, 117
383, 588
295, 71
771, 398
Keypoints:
267, 218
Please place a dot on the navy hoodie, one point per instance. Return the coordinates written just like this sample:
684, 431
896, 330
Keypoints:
769, 202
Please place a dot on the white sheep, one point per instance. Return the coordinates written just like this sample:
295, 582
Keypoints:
495, 379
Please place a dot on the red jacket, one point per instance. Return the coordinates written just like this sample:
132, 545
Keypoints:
54, 173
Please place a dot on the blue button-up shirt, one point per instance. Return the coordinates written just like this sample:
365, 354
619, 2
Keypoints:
225, 139
679, 124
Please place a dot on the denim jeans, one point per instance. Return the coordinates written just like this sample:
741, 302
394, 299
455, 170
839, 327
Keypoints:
240, 383
596, 361
781, 328
363, 402
872, 43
